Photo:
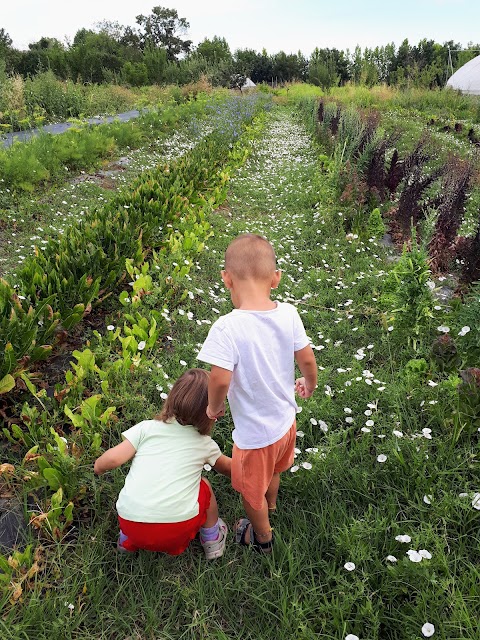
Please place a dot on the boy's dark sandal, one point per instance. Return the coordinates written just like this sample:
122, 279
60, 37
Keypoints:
241, 529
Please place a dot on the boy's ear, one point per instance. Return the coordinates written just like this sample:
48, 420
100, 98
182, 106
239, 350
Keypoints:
227, 279
276, 279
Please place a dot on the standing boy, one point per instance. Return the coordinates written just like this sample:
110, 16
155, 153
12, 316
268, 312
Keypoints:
253, 351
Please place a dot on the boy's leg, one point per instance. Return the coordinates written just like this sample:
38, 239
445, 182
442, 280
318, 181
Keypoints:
272, 492
259, 521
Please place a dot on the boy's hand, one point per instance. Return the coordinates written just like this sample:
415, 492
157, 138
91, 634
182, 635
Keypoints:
213, 415
301, 388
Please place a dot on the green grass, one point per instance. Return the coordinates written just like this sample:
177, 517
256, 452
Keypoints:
346, 508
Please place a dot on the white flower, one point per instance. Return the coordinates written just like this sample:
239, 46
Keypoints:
425, 554
430, 284
313, 421
364, 429
414, 556
323, 426
349, 566
352, 636
141, 345
463, 331
443, 329
294, 468
183, 363
476, 501
349, 420
306, 465
347, 410
390, 328
163, 396
369, 423
207, 467
428, 499
300, 434
431, 383
111, 327
397, 433
391, 558
428, 630
403, 538
382, 458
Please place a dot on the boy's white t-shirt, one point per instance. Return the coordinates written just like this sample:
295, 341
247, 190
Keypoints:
164, 478
258, 347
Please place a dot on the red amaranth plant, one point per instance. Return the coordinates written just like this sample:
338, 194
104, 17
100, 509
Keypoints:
376, 174
411, 209
399, 169
468, 252
320, 111
452, 200
444, 352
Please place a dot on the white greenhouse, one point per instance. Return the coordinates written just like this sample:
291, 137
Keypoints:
467, 78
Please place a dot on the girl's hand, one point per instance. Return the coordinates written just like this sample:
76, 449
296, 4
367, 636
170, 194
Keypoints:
213, 415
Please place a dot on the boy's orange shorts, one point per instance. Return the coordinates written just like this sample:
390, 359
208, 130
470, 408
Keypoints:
253, 469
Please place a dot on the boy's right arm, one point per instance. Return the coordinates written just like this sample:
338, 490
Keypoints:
217, 391
114, 457
305, 359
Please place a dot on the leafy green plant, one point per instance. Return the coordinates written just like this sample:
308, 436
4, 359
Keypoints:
413, 300
58, 517
19, 572
375, 226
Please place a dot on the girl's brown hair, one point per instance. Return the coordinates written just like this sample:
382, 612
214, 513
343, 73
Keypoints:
187, 401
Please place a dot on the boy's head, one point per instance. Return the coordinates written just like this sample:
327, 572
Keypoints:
250, 257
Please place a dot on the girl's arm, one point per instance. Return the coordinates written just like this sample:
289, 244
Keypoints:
114, 457
224, 465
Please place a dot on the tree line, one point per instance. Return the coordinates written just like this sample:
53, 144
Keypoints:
157, 51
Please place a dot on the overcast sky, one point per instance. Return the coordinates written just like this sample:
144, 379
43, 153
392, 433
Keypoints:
288, 25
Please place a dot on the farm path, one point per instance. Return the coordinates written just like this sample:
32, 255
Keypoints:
277, 194
7, 139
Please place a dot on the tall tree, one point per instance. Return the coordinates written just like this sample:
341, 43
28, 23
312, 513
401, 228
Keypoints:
5, 42
214, 50
163, 28
94, 55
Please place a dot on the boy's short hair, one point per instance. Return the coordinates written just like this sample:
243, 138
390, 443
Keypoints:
250, 256
187, 401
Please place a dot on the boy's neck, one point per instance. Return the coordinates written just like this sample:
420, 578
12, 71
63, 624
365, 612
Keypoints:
255, 301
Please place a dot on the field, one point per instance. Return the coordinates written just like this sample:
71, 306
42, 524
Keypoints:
377, 530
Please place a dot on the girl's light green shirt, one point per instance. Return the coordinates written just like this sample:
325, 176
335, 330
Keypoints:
164, 478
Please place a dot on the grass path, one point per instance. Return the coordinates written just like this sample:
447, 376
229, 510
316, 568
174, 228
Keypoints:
356, 485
